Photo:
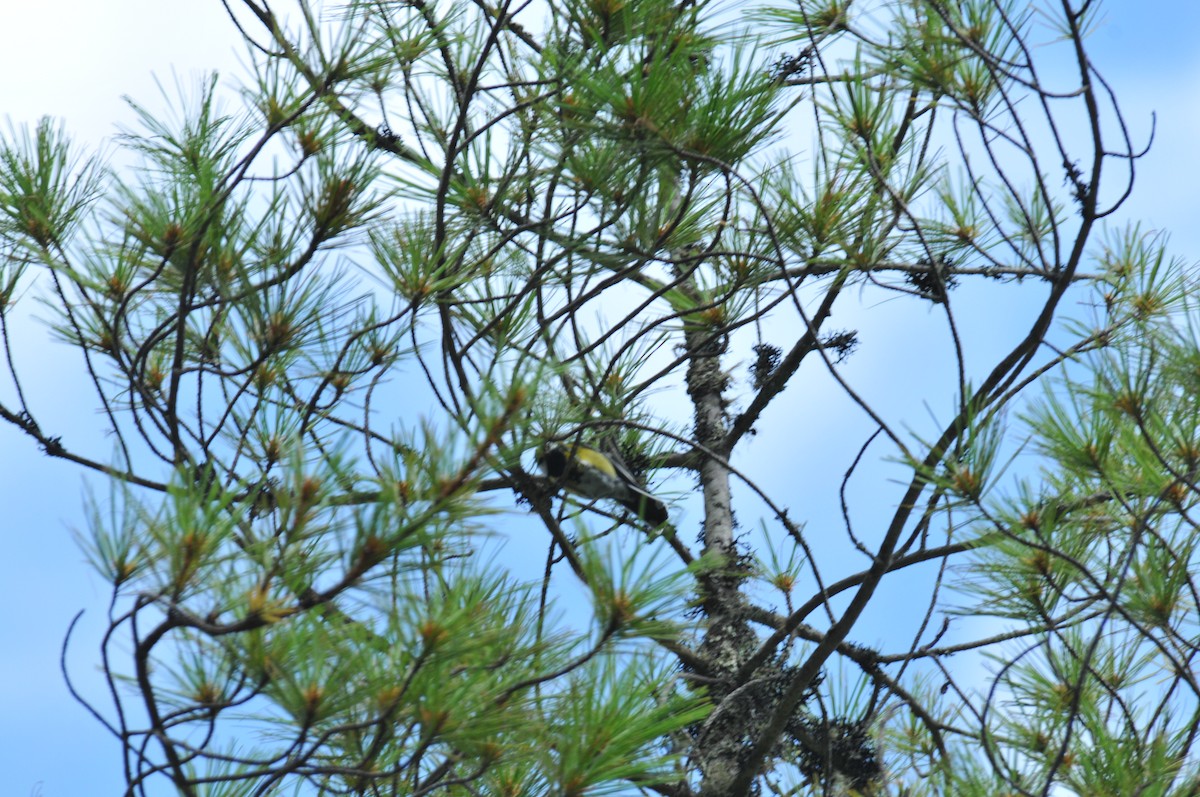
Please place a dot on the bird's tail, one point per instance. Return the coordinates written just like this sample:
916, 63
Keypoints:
647, 507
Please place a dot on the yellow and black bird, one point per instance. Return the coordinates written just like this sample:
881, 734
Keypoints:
591, 473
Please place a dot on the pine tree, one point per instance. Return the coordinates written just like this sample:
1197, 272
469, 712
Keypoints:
331, 323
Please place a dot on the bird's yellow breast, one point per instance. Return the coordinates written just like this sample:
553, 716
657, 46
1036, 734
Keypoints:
593, 458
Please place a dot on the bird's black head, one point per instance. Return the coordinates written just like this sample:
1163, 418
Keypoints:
554, 461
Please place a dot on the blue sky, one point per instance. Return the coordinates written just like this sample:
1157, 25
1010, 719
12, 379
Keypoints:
74, 60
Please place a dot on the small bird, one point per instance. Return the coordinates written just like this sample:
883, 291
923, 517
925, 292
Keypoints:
593, 474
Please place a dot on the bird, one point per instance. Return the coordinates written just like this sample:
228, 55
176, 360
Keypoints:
592, 473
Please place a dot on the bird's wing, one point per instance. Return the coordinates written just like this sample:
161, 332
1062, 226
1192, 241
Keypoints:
609, 449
